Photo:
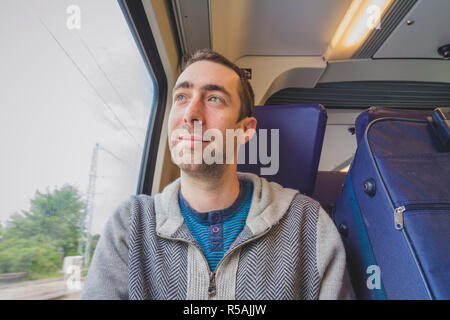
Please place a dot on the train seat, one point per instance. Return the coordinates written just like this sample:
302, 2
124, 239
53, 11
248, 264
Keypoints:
301, 130
328, 186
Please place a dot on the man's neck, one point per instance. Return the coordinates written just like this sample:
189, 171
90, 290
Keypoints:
205, 195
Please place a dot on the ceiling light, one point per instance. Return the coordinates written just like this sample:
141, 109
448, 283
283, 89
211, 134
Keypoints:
361, 18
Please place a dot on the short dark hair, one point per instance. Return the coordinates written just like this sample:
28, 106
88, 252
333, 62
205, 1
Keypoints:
246, 95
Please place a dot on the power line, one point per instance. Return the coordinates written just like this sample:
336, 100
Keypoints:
88, 103
107, 78
89, 82
125, 163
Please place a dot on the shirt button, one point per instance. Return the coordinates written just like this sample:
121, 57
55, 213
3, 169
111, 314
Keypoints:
214, 217
215, 229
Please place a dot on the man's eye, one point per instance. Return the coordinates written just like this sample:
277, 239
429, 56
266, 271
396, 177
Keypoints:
179, 97
214, 99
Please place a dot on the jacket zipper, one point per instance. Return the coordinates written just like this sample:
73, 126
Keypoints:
212, 282
398, 212
212, 275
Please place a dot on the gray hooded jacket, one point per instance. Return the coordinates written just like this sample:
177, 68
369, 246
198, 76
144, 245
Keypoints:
288, 249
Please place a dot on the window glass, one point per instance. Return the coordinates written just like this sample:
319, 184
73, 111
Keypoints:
75, 104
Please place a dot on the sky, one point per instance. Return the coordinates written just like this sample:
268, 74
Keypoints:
63, 90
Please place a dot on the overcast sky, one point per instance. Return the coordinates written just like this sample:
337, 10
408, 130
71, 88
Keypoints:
64, 90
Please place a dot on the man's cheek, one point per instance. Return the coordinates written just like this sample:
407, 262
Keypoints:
174, 118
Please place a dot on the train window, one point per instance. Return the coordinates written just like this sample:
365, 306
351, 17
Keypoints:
75, 105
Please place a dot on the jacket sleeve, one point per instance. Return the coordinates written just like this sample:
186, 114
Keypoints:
334, 280
107, 278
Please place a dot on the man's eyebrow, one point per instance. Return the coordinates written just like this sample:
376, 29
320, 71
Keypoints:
208, 87
184, 84
215, 87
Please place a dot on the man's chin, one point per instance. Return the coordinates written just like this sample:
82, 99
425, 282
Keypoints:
203, 170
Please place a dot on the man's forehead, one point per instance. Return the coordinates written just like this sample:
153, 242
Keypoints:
205, 72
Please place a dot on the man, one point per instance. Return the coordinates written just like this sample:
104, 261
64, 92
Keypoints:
215, 233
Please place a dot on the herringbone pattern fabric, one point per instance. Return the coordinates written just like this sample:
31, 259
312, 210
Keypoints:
157, 268
282, 264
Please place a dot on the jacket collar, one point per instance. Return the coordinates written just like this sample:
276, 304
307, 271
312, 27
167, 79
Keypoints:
270, 202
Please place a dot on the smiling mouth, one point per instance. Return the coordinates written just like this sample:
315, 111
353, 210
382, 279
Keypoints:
193, 139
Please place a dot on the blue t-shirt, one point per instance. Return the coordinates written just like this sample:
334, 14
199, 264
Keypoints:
216, 230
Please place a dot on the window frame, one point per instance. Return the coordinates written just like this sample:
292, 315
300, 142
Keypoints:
138, 23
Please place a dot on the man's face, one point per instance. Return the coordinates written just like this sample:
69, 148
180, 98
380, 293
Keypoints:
205, 94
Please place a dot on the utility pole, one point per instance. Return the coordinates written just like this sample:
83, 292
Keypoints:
90, 203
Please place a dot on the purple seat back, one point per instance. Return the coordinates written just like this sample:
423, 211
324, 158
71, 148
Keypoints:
363, 120
328, 186
301, 133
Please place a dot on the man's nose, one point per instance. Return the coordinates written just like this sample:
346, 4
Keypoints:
194, 111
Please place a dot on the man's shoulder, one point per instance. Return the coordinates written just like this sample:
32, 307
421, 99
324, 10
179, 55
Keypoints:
308, 210
142, 198
303, 202
132, 205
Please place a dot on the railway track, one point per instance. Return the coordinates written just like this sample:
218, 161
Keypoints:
47, 289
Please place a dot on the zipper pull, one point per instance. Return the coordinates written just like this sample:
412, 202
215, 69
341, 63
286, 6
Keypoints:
398, 217
212, 284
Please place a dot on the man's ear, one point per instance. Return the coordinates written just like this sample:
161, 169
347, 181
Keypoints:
249, 126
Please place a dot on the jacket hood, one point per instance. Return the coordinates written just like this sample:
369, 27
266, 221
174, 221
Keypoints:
270, 201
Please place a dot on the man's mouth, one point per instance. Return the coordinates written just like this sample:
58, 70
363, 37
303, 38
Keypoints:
192, 139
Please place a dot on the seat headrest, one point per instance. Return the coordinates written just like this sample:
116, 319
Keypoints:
301, 130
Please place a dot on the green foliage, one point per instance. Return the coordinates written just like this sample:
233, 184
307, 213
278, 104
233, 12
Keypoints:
19, 255
37, 240
57, 215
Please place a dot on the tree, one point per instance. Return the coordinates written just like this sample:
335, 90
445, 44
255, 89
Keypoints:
37, 240
25, 255
55, 218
